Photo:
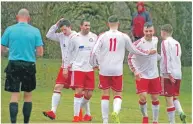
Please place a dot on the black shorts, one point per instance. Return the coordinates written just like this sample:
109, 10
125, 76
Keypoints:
20, 75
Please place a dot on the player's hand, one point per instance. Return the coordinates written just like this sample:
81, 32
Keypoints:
138, 76
152, 51
70, 66
59, 21
65, 73
171, 78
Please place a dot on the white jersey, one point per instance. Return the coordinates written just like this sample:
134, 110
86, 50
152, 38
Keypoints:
109, 52
145, 65
171, 58
80, 48
62, 39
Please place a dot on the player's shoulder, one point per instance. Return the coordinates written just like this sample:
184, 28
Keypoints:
73, 34
92, 34
137, 42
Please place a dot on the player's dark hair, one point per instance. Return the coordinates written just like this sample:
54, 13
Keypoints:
148, 25
64, 22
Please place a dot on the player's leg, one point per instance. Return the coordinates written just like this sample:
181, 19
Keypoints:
105, 105
104, 85
168, 93
142, 89
155, 107
154, 88
77, 82
12, 84
27, 106
28, 85
89, 85
60, 81
84, 102
177, 102
13, 106
117, 88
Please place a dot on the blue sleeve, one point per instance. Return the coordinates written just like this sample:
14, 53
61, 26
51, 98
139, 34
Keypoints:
38, 39
5, 38
148, 19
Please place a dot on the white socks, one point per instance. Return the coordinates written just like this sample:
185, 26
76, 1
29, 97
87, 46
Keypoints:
178, 106
77, 103
117, 104
155, 110
86, 105
143, 108
55, 100
105, 108
171, 114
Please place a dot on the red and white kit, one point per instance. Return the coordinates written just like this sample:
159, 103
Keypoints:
171, 63
109, 53
80, 50
64, 42
146, 66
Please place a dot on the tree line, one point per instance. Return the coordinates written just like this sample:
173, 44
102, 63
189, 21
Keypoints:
45, 14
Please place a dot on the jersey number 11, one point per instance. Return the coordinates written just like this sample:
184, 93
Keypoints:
113, 44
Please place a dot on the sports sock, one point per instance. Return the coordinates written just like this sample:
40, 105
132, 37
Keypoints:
13, 110
117, 104
55, 100
77, 103
178, 106
143, 108
171, 114
155, 110
105, 108
27, 107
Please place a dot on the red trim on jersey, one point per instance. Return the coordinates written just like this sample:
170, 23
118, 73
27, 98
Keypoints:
105, 97
165, 56
171, 109
117, 97
130, 62
130, 56
155, 102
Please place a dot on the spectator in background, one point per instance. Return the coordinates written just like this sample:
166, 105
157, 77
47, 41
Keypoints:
138, 20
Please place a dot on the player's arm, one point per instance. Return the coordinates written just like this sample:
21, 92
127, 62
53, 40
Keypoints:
52, 35
5, 41
133, 67
166, 48
39, 44
131, 48
95, 52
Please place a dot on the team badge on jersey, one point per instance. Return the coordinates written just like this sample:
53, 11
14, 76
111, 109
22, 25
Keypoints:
91, 40
64, 45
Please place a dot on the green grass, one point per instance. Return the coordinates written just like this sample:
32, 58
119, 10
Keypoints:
130, 113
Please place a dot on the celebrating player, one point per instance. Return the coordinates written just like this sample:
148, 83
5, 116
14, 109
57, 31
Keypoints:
170, 67
108, 54
61, 81
82, 72
146, 73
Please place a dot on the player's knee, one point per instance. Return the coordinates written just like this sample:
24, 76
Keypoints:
142, 97
154, 98
58, 87
27, 96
